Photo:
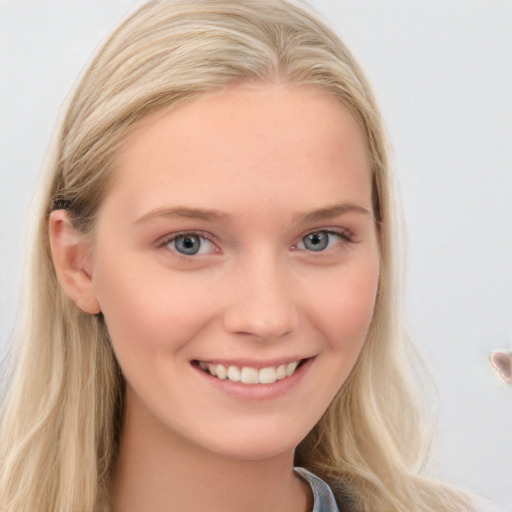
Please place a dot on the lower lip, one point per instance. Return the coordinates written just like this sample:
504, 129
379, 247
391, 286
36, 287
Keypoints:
257, 392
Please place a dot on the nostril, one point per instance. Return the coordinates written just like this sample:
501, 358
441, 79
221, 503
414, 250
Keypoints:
267, 325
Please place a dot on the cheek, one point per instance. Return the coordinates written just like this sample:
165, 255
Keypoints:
149, 311
346, 304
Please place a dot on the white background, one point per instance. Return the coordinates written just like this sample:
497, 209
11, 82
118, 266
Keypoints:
442, 70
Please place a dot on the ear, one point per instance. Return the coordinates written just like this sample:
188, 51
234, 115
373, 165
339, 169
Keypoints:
71, 253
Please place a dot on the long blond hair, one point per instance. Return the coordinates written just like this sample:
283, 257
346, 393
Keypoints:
60, 425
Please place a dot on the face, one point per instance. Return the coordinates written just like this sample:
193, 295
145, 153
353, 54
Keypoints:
236, 262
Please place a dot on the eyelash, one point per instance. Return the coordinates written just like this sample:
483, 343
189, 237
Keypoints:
165, 243
344, 234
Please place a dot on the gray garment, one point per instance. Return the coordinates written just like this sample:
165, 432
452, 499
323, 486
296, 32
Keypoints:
324, 501
323, 497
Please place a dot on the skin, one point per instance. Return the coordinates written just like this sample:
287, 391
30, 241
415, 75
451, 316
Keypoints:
271, 161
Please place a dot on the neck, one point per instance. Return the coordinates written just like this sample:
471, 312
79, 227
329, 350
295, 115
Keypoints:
160, 471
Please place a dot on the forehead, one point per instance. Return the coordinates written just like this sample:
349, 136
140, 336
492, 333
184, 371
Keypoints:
266, 141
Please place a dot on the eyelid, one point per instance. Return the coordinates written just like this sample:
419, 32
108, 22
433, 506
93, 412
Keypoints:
164, 241
343, 233
340, 231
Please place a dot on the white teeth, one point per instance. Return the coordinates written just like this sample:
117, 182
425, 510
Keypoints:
221, 371
249, 375
234, 374
281, 372
291, 368
268, 375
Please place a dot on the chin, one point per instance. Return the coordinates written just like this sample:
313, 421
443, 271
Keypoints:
250, 445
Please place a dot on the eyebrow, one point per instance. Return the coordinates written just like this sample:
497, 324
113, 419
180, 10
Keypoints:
216, 215
183, 213
329, 213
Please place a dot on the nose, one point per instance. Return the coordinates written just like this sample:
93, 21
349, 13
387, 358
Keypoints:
261, 301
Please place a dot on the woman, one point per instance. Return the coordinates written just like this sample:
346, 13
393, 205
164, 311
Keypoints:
213, 297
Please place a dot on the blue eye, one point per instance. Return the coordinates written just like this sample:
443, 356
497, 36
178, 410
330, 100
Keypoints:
321, 240
191, 244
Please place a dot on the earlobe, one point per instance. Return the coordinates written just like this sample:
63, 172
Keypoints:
71, 253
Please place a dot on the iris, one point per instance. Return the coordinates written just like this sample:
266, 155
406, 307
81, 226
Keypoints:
187, 244
316, 241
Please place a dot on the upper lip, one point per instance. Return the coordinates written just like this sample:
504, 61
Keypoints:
240, 363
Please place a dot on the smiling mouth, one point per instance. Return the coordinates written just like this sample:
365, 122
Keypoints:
248, 374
